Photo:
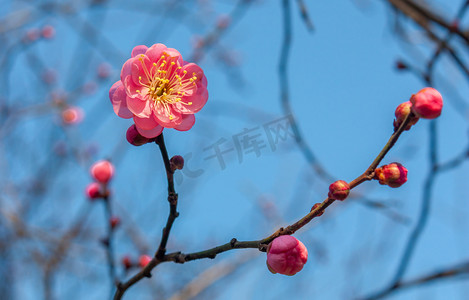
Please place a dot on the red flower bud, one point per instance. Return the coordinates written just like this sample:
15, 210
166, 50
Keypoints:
402, 111
135, 138
144, 260
393, 175
93, 191
339, 190
102, 171
286, 255
427, 103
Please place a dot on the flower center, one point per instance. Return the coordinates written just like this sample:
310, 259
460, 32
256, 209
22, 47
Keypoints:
165, 84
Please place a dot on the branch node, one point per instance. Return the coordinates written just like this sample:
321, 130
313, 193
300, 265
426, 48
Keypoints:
233, 242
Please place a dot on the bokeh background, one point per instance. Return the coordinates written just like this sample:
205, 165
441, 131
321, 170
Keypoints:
338, 74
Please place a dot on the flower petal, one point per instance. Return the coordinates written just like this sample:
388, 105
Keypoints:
196, 101
162, 115
150, 133
140, 49
118, 100
187, 123
138, 107
154, 52
114, 88
146, 123
173, 53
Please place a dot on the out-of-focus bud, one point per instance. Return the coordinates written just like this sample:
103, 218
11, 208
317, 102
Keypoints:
393, 175
104, 70
144, 260
427, 103
127, 262
102, 171
286, 255
48, 32
93, 191
401, 113
31, 35
400, 65
72, 115
339, 190
223, 21
114, 222
135, 138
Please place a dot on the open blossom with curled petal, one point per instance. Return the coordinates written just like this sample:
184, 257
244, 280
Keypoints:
159, 89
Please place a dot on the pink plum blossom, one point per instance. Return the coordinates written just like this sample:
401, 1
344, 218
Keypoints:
286, 255
159, 89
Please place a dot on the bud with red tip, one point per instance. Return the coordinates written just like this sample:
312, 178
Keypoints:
127, 262
427, 103
114, 222
93, 191
177, 162
393, 175
402, 111
144, 260
135, 138
286, 255
102, 171
339, 190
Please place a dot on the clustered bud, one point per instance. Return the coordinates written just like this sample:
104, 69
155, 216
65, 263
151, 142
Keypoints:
102, 171
135, 138
144, 260
402, 111
393, 175
177, 162
286, 255
339, 190
427, 103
